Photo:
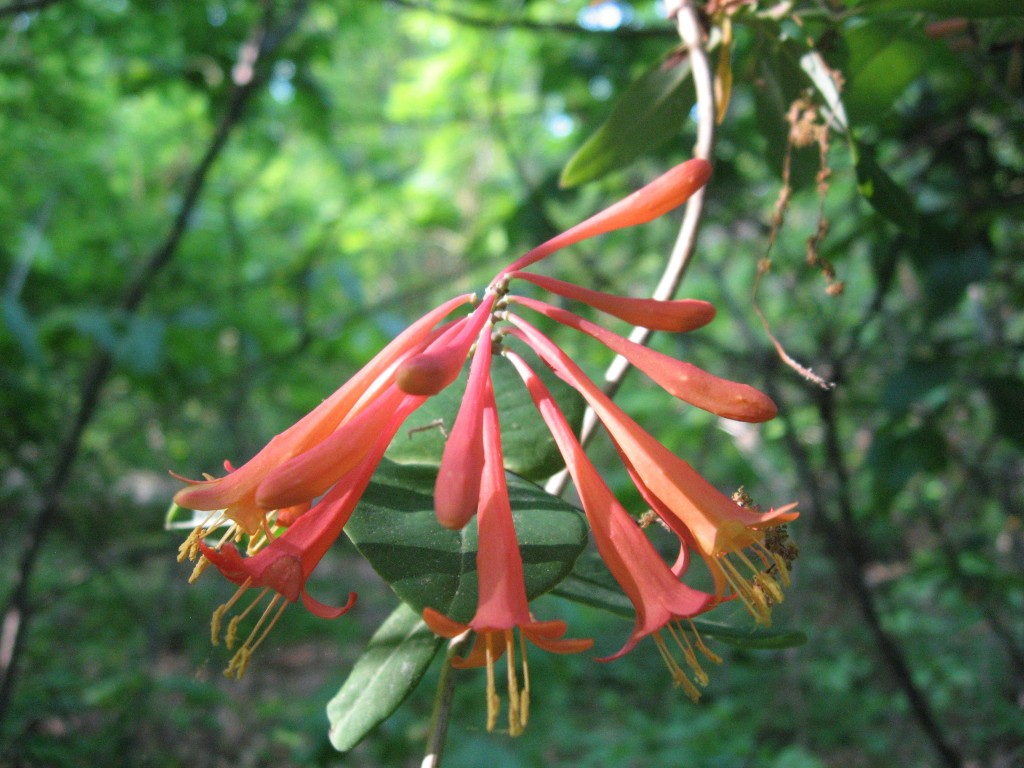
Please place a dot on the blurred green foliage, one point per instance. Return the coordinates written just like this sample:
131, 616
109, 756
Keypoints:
392, 153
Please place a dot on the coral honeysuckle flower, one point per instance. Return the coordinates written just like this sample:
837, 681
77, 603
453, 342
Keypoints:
502, 606
281, 485
234, 495
457, 489
729, 399
721, 530
677, 315
658, 596
283, 564
655, 199
291, 501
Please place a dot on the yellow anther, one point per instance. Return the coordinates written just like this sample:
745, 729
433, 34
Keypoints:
218, 614
679, 676
232, 634
201, 566
524, 698
699, 642
218, 617
188, 548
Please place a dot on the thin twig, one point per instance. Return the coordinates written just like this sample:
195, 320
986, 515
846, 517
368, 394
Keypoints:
692, 34
441, 716
16, 614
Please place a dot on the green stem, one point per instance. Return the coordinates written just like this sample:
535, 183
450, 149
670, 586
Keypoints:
443, 705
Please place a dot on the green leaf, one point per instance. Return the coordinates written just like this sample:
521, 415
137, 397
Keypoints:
781, 80
759, 639
975, 9
395, 529
884, 59
389, 669
898, 452
882, 193
651, 111
528, 447
22, 328
591, 584
1006, 393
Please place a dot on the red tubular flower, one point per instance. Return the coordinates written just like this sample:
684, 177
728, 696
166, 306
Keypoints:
657, 198
334, 450
235, 493
675, 316
502, 606
658, 596
457, 489
717, 527
282, 565
729, 399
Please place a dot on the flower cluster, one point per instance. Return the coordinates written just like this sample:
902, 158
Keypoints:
291, 501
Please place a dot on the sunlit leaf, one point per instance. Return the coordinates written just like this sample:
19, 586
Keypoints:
591, 584
651, 111
884, 58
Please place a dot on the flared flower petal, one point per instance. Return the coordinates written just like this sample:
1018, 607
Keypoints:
728, 399
675, 316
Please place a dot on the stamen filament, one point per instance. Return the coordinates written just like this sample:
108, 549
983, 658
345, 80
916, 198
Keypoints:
515, 726
524, 697
232, 633
218, 614
493, 702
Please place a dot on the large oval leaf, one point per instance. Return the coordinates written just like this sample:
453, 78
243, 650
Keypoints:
390, 667
651, 111
591, 584
528, 447
395, 529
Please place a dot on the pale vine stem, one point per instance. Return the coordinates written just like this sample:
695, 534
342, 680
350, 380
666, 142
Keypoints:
692, 33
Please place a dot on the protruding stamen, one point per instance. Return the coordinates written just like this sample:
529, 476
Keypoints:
218, 614
679, 676
201, 566
524, 696
699, 642
232, 633
493, 702
189, 548
240, 661
515, 725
